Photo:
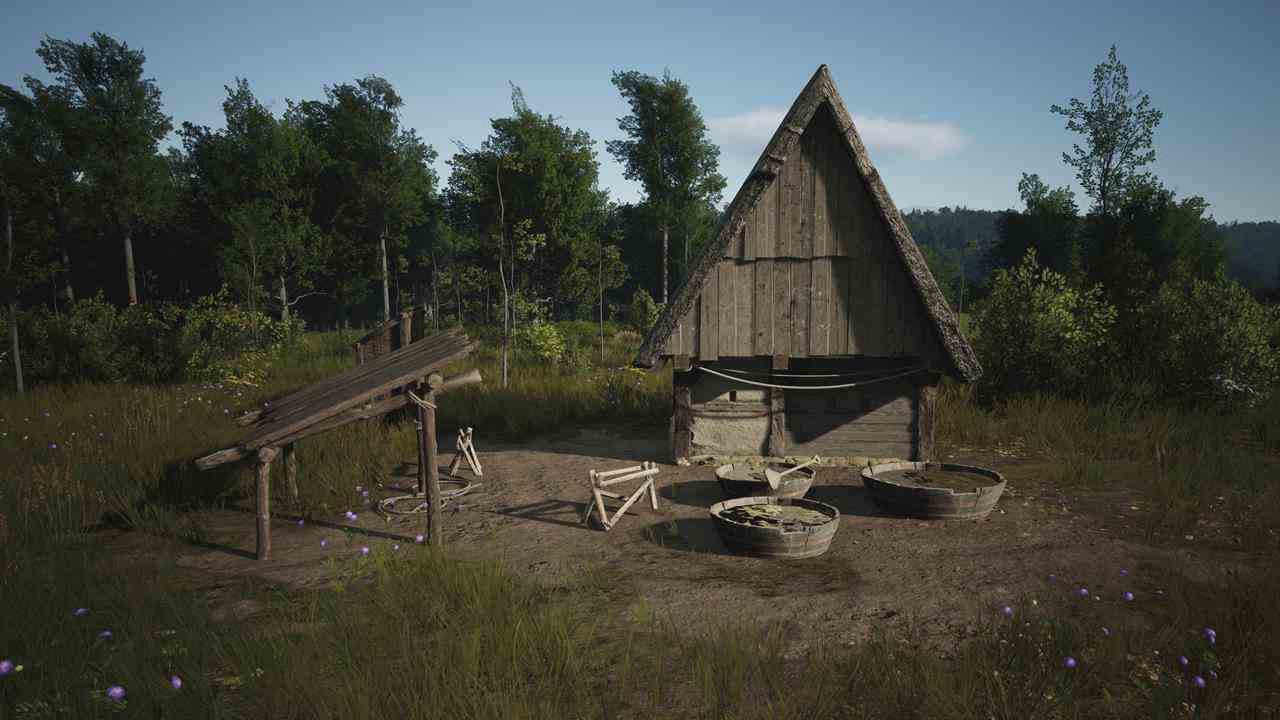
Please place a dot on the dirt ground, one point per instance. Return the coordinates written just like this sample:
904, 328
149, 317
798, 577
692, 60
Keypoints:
935, 577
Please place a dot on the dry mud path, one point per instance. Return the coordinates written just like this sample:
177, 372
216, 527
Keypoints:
934, 578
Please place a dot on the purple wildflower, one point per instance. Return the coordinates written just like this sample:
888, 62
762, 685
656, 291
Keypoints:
1128, 596
364, 549
1210, 632
1007, 611
351, 516
1183, 661
300, 522
80, 611
104, 634
53, 446
324, 542
1213, 674
1083, 592
1198, 681
1069, 662
115, 692
6, 667
1106, 632
1123, 572
1052, 577
175, 682
420, 538
395, 547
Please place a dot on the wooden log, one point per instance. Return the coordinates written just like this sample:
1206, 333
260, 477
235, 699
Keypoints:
221, 457
249, 418
265, 456
598, 499
653, 487
291, 472
627, 478
427, 417
612, 473
406, 328
777, 412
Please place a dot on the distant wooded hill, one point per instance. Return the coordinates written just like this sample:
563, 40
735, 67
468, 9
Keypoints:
1253, 248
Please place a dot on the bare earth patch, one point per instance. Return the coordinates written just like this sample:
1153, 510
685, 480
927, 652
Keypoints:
936, 578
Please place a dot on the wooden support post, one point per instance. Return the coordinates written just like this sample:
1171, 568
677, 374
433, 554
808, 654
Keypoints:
406, 328
265, 456
427, 435
291, 472
681, 413
777, 412
925, 411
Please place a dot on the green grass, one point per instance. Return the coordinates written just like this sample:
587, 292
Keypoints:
417, 634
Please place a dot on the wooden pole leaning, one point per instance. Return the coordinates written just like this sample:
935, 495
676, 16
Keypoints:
265, 456
645, 471
427, 416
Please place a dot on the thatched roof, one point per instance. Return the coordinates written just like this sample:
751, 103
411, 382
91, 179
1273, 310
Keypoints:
821, 89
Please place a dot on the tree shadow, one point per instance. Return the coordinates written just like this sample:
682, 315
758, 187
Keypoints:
691, 493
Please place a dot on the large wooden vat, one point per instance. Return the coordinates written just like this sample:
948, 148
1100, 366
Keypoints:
885, 485
773, 541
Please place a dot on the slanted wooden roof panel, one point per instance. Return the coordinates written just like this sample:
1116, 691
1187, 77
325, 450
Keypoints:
814, 193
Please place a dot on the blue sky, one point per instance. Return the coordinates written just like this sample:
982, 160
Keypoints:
953, 102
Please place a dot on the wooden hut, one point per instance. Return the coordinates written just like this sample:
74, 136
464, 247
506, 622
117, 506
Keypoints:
811, 281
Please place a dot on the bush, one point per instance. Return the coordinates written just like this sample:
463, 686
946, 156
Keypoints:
541, 340
94, 341
1205, 340
643, 312
1034, 332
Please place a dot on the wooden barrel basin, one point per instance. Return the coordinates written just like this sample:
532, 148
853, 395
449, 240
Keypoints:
746, 480
934, 490
774, 527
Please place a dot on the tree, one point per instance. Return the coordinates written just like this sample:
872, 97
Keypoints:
259, 178
119, 124
378, 174
1048, 222
667, 150
27, 260
44, 124
1118, 129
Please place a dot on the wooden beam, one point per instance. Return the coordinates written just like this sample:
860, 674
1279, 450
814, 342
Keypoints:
777, 412
265, 456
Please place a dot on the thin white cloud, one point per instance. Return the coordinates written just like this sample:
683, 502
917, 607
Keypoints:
750, 131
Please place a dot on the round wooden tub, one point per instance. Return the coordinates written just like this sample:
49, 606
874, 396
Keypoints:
746, 526
746, 480
904, 488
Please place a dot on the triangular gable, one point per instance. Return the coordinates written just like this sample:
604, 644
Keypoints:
820, 89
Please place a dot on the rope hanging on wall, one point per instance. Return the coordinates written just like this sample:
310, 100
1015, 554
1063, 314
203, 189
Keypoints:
812, 387
850, 374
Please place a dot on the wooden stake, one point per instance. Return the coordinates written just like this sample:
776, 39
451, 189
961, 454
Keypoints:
265, 456
291, 472
427, 417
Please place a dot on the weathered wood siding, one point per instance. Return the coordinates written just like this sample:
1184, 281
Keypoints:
883, 420
813, 273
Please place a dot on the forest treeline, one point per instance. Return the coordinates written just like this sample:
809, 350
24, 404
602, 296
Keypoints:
330, 211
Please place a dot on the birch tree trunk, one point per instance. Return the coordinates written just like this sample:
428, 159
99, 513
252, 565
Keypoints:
284, 303
128, 265
386, 288
506, 295
14, 345
664, 262
435, 291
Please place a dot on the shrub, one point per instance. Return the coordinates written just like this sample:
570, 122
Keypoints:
1035, 332
643, 312
541, 340
1204, 340
94, 341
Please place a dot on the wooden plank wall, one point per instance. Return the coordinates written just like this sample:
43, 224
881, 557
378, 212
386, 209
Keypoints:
813, 273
